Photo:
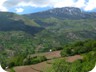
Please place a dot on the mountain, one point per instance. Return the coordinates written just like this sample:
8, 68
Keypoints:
42, 31
63, 13
65, 31
63, 25
16, 34
14, 22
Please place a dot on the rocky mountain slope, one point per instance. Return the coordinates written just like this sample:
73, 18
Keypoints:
63, 13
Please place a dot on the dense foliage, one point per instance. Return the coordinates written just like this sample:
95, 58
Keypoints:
85, 65
60, 32
34, 60
79, 48
88, 51
12, 70
23, 60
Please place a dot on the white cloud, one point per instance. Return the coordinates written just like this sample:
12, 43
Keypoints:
63, 3
90, 5
2, 8
80, 4
33, 4
18, 10
84, 4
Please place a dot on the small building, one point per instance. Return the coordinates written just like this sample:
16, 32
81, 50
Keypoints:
50, 50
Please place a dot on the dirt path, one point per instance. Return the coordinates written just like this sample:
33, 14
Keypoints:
43, 65
24, 69
73, 58
49, 55
33, 68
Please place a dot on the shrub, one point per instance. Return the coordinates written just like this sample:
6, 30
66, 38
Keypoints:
34, 60
12, 70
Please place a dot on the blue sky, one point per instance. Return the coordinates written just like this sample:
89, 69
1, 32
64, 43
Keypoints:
32, 6
29, 9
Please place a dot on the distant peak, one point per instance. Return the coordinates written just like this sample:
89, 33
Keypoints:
63, 13
67, 10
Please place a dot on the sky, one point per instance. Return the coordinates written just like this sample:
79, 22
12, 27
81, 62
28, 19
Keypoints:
32, 6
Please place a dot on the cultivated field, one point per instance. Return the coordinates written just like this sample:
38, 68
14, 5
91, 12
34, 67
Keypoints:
40, 67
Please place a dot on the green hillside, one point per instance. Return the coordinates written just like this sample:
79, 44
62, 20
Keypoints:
21, 35
16, 35
86, 49
59, 32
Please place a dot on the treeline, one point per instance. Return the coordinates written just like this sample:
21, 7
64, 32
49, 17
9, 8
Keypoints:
85, 48
21, 60
79, 48
82, 65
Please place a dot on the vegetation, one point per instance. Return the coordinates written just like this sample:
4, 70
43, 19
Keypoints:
12, 70
34, 60
23, 60
21, 37
60, 32
82, 65
79, 48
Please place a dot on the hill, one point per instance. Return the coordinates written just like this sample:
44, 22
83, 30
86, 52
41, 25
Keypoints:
76, 57
63, 25
60, 32
16, 34
23, 35
14, 22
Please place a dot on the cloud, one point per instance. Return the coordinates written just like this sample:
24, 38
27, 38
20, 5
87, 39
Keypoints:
2, 8
18, 10
63, 3
90, 5
80, 3
84, 4
34, 3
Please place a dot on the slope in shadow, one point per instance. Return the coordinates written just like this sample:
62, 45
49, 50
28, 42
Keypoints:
19, 26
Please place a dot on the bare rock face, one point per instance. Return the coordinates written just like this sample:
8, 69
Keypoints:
63, 13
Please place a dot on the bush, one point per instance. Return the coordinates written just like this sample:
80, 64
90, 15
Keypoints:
16, 61
79, 48
61, 66
12, 70
34, 60
85, 65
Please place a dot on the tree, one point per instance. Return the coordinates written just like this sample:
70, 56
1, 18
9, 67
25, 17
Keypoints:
61, 66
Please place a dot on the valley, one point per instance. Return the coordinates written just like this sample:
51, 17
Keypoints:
26, 40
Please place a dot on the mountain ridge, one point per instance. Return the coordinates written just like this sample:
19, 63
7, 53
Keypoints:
44, 31
63, 13
14, 22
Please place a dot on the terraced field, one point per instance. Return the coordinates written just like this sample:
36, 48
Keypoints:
40, 67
